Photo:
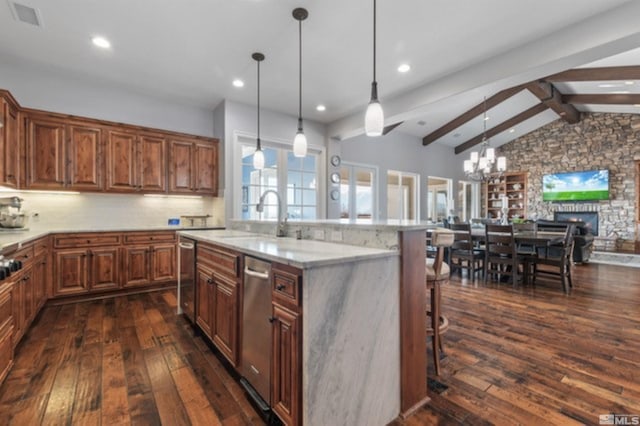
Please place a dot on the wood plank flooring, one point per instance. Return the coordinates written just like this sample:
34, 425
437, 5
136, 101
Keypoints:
520, 355
536, 356
127, 360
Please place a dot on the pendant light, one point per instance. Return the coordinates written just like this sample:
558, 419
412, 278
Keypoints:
374, 117
300, 141
258, 155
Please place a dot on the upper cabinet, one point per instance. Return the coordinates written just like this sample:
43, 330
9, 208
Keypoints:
62, 154
193, 167
50, 151
9, 137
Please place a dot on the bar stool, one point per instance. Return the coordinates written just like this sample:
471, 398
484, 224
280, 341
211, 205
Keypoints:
437, 273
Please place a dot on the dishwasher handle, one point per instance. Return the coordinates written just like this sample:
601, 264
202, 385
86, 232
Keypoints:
256, 274
188, 246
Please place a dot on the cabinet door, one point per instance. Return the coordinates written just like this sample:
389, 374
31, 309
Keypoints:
45, 154
17, 310
105, 268
153, 164
40, 279
205, 303
121, 161
85, 146
206, 168
181, 167
286, 365
136, 266
9, 146
70, 272
163, 264
225, 325
27, 296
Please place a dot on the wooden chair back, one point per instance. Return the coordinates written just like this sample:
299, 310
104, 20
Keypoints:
462, 236
501, 252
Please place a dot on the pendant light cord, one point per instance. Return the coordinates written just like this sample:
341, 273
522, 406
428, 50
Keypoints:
374, 40
259, 147
300, 76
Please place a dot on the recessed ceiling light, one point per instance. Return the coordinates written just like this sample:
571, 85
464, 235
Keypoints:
421, 123
512, 130
321, 108
457, 135
487, 118
101, 42
404, 68
629, 83
238, 83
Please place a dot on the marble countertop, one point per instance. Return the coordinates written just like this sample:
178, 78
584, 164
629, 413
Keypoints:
390, 224
304, 254
11, 237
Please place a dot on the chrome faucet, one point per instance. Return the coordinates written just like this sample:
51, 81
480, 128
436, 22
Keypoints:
282, 221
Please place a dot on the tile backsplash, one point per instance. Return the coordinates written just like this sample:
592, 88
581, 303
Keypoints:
105, 211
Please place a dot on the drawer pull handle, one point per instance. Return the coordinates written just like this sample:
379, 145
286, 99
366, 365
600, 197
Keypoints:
209, 281
272, 319
280, 287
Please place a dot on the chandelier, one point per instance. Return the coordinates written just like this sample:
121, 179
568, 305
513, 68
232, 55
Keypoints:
480, 165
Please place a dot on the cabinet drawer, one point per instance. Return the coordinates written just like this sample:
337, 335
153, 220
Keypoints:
218, 259
6, 350
24, 255
149, 237
85, 240
41, 246
286, 285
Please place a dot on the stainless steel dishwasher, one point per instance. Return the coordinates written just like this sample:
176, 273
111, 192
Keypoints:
186, 279
256, 329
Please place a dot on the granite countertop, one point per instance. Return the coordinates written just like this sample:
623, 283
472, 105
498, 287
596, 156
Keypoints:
304, 254
10, 237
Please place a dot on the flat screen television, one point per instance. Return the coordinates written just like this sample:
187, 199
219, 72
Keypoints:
588, 185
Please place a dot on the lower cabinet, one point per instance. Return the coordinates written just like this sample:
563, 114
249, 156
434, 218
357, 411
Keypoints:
205, 304
149, 264
6, 329
71, 272
226, 311
136, 266
104, 269
286, 365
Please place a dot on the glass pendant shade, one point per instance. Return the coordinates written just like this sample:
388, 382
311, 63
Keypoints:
300, 144
474, 157
374, 119
258, 159
502, 164
468, 166
491, 155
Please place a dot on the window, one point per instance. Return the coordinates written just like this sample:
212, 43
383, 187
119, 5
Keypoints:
402, 195
438, 199
358, 191
295, 179
468, 203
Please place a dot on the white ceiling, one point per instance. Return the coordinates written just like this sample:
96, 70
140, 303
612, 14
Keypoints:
191, 51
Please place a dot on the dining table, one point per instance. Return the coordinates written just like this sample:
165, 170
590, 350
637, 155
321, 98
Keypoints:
533, 238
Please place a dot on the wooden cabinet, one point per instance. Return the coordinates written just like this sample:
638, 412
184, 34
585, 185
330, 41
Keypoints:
104, 271
163, 262
62, 154
9, 137
218, 298
193, 167
151, 259
286, 353
510, 188
205, 300
71, 270
40, 281
136, 162
136, 266
6, 329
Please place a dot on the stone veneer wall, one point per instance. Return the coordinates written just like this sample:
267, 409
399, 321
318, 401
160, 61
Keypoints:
598, 141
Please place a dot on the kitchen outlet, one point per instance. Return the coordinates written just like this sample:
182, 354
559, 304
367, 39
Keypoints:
318, 234
336, 235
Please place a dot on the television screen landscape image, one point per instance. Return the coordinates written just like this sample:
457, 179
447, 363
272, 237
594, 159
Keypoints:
576, 186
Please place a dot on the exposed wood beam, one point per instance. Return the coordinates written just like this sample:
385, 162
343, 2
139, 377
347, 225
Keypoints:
604, 99
553, 99
470, 114
516, 119
390, 127
631, 72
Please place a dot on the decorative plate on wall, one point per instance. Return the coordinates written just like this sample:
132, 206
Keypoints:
335, 160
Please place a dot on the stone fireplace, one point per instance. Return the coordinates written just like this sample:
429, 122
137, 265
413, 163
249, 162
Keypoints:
590, 219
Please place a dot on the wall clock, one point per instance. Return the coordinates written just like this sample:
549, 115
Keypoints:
335, 160
335, 177
335, 195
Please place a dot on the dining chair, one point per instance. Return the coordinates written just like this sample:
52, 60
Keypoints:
437, 274
463, 254
501, 254
558, 259
527, 252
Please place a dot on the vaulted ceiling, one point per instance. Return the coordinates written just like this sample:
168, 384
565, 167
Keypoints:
459, 53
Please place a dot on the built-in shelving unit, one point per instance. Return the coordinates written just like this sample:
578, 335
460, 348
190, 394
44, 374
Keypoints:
510, 188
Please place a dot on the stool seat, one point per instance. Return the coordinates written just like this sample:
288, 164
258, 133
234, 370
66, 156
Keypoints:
445, 271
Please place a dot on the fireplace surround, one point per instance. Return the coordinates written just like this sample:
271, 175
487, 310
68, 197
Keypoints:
590, 219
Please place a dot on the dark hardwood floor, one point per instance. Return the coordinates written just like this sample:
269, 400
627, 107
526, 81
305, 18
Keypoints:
519, 355
128, 360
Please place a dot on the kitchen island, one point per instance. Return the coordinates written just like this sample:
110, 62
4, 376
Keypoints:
362, 321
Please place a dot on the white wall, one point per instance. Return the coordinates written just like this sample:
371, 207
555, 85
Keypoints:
57, 92
403, 152
274, 126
